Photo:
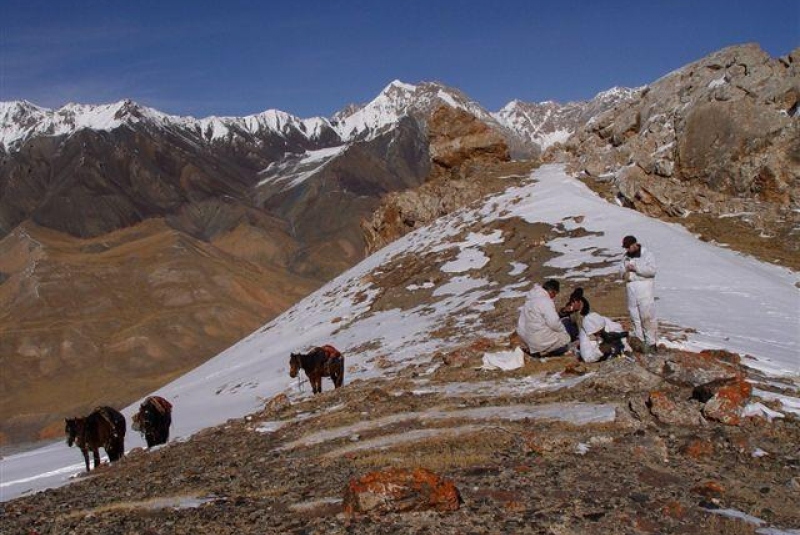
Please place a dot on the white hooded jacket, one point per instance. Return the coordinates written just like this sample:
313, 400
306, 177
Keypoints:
645, 265
539, 324
589, 335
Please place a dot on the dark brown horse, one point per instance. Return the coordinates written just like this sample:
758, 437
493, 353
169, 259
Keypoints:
104, 427
153, 420
324, 361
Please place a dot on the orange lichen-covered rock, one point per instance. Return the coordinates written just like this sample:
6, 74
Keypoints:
400, 490
698, 448
668, 411
726, 404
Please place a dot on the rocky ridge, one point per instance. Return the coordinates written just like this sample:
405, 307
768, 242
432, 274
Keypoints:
719, 137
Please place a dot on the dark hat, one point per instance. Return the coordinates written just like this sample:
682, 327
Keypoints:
627, 241
552, 285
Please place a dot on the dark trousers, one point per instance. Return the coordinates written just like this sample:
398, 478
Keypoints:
571, 327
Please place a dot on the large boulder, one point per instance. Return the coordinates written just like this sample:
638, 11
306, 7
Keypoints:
460, 147
399, 490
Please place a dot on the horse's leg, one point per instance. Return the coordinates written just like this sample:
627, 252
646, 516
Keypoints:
317, 386
337, 377
85, 457
96, 455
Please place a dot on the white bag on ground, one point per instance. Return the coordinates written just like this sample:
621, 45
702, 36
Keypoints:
504, 360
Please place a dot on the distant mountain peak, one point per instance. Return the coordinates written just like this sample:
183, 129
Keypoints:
547, 123
399, 99
539, 124
22, 120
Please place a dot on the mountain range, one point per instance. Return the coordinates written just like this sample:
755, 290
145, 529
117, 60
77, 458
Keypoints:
135, 245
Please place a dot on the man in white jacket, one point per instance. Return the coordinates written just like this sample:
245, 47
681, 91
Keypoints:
539, 325
638, 269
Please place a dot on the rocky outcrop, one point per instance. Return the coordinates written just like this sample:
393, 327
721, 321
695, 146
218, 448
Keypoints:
399, 490
461, 146
720, 135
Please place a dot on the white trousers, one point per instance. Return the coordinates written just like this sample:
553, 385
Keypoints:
642, 308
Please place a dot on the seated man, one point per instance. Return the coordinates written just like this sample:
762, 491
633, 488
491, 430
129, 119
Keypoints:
600, 338
539, 325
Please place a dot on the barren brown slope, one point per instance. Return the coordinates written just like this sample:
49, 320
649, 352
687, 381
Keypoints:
105, 320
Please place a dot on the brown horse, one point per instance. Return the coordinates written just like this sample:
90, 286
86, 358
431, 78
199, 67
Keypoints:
153, 420
104, 427
324, 361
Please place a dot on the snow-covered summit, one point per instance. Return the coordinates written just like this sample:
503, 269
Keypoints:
22, 120
542, 123
282, 123
547, 123
399, 99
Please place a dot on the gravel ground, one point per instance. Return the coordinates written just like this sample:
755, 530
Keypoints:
633, 475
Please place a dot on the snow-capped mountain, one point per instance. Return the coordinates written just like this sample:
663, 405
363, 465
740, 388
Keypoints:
528, 127
399, 99
21, 121
548, 123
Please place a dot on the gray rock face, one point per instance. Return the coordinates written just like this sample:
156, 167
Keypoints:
721, 135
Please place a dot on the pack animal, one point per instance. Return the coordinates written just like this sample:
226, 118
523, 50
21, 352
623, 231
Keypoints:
324, 361
153, 420
104, 427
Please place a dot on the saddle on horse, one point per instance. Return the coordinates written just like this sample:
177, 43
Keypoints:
332, 356
162, 405
102, 411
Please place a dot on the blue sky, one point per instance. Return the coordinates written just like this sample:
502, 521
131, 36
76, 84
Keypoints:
237, 57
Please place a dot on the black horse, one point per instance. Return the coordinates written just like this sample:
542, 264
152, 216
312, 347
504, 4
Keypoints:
324, 361
153, 420
104, 427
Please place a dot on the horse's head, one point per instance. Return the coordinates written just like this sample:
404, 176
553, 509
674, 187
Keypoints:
294, 364
72, 429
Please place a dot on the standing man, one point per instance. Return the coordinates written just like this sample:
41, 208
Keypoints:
638, 269
539, 325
